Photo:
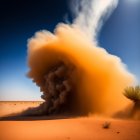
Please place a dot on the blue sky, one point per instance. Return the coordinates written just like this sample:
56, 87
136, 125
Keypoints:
120, 35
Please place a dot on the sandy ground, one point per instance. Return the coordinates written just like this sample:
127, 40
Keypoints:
58, 128
10, 107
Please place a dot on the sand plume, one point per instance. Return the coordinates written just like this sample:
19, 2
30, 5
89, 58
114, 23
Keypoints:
76, 75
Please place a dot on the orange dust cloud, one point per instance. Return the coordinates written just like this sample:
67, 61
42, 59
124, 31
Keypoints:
97, 78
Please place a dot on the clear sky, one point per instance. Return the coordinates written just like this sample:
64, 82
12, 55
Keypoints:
20, 19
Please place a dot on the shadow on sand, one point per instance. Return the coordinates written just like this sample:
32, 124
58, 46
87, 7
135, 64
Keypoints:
36, 118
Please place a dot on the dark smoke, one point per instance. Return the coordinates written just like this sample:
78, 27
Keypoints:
59, 93
56, 88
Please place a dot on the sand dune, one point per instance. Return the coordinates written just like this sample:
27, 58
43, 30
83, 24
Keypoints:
10, 107
58, 128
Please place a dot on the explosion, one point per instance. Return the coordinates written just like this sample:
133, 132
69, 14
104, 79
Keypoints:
73, 73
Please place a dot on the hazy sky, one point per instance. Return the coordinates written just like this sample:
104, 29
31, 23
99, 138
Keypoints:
20, 19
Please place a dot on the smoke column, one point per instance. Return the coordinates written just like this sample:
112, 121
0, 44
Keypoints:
73, 73
90, 14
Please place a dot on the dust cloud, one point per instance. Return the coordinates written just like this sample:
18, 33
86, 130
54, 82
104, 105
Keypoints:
74, 74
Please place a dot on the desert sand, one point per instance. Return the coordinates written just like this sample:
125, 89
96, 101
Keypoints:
62, 127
